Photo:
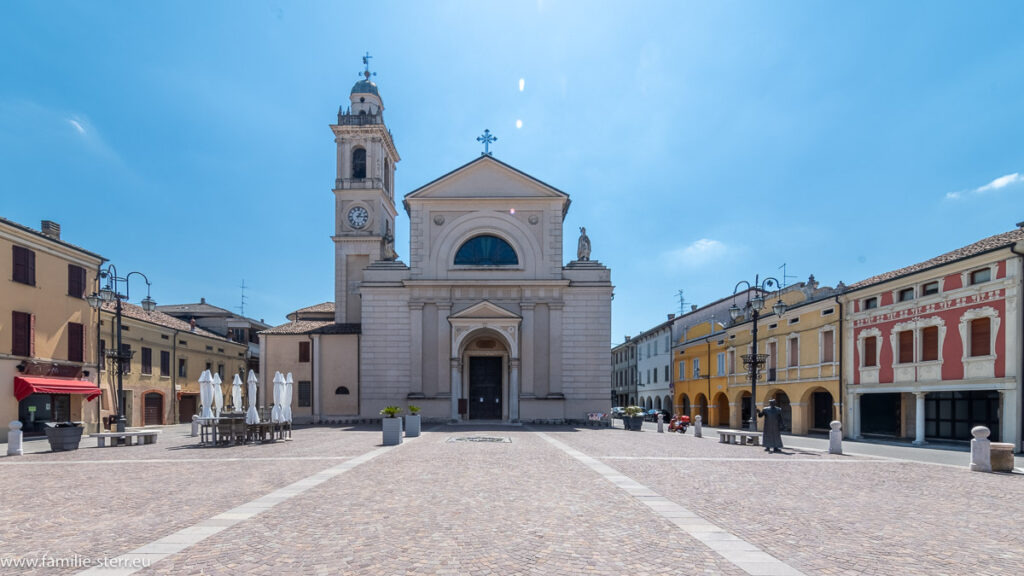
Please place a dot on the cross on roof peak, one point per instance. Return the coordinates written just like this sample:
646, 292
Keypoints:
486, 138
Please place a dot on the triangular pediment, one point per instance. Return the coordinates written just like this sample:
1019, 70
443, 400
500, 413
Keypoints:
486, 177
484, 310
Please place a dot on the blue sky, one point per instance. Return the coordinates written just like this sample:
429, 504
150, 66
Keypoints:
701, 142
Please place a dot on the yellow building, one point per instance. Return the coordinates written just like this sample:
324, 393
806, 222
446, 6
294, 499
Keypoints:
801, 371
47, 329
161, 382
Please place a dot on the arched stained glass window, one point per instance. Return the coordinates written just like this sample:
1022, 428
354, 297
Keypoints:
359, 163
486, 251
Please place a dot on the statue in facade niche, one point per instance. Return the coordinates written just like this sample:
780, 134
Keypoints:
389, 253
583, 248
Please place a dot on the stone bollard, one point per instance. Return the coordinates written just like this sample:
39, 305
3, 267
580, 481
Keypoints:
1001, 456
981, 451
661, 425
14, 446
835, 438
195, 425
696, 427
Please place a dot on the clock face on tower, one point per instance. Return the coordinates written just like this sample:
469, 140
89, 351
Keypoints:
358, 216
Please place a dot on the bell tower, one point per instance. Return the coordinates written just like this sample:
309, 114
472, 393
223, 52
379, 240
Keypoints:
364, 193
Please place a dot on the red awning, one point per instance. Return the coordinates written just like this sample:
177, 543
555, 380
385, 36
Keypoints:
26, 385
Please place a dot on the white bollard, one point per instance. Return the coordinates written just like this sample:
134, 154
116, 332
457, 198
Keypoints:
835, 438
14, 446
195, 425
981, 450
696, 427
661, 425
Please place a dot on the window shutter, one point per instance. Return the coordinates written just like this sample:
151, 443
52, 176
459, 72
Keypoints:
76, 342
32, 325
980, 337
930, 343
32, 281
869, 351
794, 352
906, 346
303, 351
826, 347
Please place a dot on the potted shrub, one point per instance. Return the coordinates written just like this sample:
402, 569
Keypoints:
64, 435
412, 422
633, 418
392, 425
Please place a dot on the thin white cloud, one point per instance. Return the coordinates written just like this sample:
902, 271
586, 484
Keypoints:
76, 125
997, 184
696, 254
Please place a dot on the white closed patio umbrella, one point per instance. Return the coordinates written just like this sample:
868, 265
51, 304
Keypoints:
236, 394
287, 399
252, 416
218, 394
205, 394
275, 414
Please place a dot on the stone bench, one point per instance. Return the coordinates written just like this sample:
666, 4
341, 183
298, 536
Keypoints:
141, 436
1001, 456
739, 437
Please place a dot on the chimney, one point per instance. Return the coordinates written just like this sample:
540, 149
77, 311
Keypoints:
202, 300
192, 325
671, 316
51, 229
693, 307
628, 338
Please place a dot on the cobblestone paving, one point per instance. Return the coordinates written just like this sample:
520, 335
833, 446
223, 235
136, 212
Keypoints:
88, 503
436, 507
851, 517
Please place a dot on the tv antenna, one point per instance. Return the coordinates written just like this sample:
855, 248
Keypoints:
785, 277
682, 302
241, 309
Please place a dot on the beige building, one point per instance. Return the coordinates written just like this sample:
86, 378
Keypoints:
485, 322
160, 382
47, 329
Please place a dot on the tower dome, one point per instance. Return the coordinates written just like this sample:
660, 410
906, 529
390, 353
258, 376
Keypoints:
365, 98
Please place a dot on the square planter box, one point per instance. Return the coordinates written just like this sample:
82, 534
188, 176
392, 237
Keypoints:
392, 431
634, 423
63, 438
412, 425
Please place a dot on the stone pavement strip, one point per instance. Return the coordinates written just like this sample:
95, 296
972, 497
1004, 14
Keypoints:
745, 555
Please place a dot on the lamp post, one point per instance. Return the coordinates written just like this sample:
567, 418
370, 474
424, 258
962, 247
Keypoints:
753, 307
111, 291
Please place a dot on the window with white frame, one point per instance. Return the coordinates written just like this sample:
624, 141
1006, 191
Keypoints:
696, 368
827, 346
794, 350
682, 369
721, 363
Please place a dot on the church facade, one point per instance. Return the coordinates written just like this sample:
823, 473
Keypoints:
485, 321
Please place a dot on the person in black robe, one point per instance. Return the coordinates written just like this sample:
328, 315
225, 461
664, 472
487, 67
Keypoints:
772, 427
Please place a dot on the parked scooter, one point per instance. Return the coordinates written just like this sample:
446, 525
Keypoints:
679, 424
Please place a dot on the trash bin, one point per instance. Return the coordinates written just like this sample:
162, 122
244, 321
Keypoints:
64, 435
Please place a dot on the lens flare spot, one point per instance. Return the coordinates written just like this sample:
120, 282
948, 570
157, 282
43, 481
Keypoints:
519, 123
512, 211
522, 84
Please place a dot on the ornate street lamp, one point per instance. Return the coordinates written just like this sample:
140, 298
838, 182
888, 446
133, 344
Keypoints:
111, 291
753, 308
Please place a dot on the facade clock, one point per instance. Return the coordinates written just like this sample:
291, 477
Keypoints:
358, 217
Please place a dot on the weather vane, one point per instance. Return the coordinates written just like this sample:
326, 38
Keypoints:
487, 138
366, 63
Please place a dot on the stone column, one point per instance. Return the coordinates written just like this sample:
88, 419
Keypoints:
555, 373
526, 348
341, 158
346, 159
855, 416
513, 389
416, 348
919, 419
317, 380
456, 386
444, 344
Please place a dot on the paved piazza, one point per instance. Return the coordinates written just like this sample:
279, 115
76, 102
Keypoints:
550, 500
